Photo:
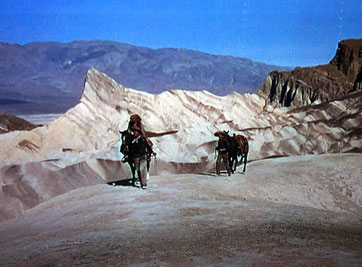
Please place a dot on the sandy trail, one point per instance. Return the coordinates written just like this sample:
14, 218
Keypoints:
282, 212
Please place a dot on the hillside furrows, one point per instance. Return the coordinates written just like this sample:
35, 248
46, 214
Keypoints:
85, 138
193, 117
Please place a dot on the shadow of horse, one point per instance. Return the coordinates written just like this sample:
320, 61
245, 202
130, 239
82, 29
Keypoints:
126, 182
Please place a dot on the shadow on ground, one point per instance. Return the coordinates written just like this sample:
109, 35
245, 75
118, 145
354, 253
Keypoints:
125, 182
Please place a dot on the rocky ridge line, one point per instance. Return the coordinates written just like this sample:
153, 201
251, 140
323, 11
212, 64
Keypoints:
304, 86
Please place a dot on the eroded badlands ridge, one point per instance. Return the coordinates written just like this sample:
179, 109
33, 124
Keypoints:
303, 86
87, 136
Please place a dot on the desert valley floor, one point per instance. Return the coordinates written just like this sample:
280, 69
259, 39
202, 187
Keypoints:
295, 211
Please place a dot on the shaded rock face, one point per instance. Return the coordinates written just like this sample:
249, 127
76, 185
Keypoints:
348, 60
87, 137
9, 123
26, 185
52, 74
304, 86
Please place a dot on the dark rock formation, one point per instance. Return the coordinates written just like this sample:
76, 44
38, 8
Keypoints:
304, 86
50, 76
348, 60
9, 123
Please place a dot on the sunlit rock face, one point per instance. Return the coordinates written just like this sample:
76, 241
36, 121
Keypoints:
81, 147
304, 86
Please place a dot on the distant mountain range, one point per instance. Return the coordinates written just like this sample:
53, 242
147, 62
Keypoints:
48, 77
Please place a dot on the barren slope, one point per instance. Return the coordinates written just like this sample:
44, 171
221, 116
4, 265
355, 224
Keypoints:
297, 211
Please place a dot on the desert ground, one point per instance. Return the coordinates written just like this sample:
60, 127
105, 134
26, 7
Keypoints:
295, 211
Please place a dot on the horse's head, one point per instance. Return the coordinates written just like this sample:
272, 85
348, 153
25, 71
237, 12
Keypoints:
221, 134
126, 138
124, 134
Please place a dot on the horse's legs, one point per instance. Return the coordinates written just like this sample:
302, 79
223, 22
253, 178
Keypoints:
245, 160
133, 170
236, 162
131, 166
226, 159
231, 163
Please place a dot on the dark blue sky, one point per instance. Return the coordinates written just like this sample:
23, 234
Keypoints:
293, 33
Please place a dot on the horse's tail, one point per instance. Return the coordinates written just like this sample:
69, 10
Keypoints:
246, 147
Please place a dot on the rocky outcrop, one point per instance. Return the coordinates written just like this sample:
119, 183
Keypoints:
348, 60
9, 123
304, 86
86, 137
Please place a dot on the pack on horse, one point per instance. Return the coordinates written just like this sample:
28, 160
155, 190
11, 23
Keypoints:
237, 146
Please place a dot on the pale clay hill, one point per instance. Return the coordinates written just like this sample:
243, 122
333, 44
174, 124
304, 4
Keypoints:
81, 147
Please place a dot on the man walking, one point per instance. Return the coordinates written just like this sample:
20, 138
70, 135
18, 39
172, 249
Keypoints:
139, 149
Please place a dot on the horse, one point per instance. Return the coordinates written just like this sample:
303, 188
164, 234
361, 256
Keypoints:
238, 146
126, 139
243, 148
233, 151
138, 152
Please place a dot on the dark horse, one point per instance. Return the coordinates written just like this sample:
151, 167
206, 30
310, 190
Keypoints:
126, 138
238, 146
128, 149
243, 148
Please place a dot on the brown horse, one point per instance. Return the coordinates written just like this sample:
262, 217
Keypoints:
238, 146
243, 148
